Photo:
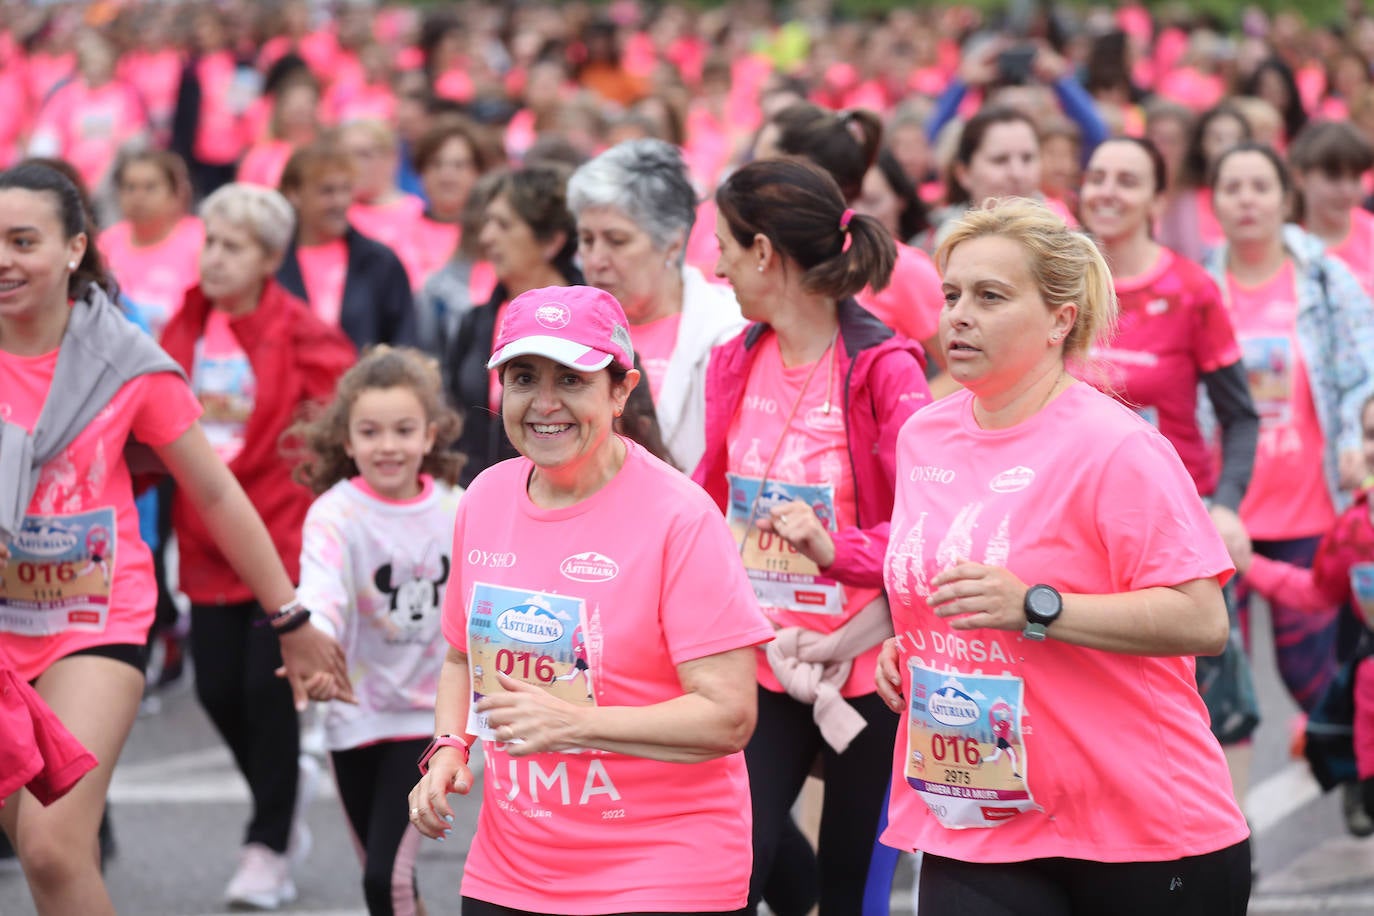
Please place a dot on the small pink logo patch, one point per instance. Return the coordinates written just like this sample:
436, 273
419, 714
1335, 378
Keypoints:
553, 315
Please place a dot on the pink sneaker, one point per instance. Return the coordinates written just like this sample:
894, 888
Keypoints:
263, 880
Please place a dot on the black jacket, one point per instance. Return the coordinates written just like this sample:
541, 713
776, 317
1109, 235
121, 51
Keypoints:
377, 305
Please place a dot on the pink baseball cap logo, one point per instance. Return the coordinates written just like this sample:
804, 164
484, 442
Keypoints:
581, 327
553, 315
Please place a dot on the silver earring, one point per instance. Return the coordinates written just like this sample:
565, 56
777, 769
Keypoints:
760, 268
71, 265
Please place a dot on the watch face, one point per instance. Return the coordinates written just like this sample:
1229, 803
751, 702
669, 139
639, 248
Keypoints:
1043, 602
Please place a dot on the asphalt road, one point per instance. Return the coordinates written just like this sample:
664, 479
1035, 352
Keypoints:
179, 809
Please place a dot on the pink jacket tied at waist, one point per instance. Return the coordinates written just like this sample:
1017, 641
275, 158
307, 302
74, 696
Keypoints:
813, 666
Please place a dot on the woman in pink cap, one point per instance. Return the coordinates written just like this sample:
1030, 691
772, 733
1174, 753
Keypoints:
601, 633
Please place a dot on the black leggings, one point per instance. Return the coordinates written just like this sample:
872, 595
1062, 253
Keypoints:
482, 908
1213, 884
236, 681
374, 785
786, 742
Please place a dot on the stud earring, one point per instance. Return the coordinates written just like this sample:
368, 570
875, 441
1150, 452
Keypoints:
71, 265
760, 268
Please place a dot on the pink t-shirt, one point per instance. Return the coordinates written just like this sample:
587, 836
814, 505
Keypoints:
222, 378
1172, 329
808, 448
910, 303
654, 344
648, 567
394, 225
220, 131
1208, 227
156, 75
265, 161
79, 574
1115, 749
432, 245
354, 101
324, 269
1288, 497
154, 278
87, 125
1357, 251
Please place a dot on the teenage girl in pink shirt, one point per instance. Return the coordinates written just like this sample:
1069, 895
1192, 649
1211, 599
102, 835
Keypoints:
1306, 330
154, 251
1329, 160
84, 649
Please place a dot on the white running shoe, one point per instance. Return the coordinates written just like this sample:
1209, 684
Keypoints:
263, 881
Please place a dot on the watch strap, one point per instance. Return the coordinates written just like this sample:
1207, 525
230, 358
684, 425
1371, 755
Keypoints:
441, 741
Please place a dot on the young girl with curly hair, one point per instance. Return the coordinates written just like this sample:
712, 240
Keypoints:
374, 563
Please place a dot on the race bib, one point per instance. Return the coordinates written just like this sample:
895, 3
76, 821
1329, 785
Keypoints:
533, 637
59, 574
1362, 587
965, 753
1269, 368
782, 577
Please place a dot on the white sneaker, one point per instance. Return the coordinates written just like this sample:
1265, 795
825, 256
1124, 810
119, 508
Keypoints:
263, 881
307, 787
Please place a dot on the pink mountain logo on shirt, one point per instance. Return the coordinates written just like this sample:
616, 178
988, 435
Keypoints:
530, 623
589, 567
1012, 480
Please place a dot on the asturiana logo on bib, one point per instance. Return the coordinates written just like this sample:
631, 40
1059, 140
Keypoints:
589, 567
530, 623
1012, 479
553, 315
46, 543
951, 706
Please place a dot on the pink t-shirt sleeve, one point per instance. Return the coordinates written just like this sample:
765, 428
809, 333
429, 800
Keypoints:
1214, 338
708, 606
453, 620
910, 304
166, 409
1161, 541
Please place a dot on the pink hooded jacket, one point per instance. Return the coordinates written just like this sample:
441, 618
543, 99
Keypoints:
884, 385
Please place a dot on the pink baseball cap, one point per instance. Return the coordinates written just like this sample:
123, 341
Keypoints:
581, 327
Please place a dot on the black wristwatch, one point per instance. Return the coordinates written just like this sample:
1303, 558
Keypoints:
1043, 606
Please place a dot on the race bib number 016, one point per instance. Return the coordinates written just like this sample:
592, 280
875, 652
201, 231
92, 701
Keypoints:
534, 637
965, 754
59, 574
782, 577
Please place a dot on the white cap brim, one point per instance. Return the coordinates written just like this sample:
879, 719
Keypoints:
565, 352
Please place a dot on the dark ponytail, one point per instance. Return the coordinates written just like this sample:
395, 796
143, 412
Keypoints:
800, 210
844, 143
58, 180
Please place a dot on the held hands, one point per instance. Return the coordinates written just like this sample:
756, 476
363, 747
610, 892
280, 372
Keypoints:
889, 676
314, 663
1234, 536
529, 719
797, 524
976, 597
429, 807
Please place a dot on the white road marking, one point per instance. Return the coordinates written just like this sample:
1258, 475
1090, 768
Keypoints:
1272, 800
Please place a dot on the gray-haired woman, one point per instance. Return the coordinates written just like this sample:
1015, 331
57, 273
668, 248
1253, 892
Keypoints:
635, 207
255, 354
